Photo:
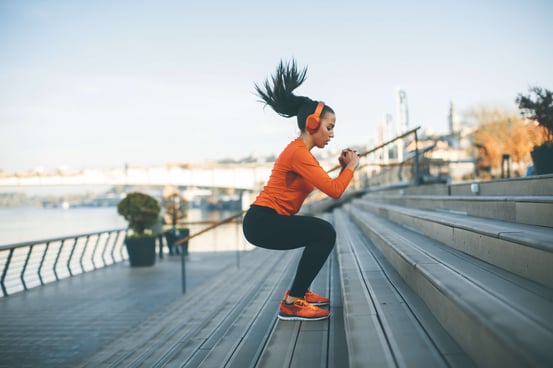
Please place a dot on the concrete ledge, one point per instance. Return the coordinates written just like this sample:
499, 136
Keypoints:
523, 249
531, 210
472, 300
539, 185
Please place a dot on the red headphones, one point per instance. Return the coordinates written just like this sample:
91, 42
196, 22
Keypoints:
314, 120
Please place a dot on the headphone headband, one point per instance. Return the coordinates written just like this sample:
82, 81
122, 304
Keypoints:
319, 109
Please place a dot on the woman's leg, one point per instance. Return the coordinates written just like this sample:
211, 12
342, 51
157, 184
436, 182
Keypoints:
265, 228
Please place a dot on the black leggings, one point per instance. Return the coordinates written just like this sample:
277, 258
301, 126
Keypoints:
265, 228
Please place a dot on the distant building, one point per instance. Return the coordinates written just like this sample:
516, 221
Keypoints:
402, 121
402, 112
453, 119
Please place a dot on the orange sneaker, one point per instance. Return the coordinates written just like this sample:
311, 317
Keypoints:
302, 311
312, 298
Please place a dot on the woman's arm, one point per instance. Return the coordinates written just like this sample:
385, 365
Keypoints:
309, 168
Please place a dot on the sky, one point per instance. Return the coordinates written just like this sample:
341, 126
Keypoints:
101, 84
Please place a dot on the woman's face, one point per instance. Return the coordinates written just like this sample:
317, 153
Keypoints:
326, 130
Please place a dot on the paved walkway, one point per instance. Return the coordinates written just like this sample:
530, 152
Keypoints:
59, 324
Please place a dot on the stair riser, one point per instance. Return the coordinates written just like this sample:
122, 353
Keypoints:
528, 262
530, 213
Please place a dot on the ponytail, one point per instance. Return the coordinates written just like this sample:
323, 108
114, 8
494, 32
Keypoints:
280, 94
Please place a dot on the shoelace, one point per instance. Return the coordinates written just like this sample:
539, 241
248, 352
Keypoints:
303, 303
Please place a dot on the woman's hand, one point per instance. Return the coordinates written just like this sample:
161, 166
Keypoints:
349, 158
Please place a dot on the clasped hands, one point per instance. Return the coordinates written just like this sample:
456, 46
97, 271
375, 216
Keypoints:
349, 158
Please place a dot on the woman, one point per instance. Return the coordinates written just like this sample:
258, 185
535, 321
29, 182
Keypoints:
271, 222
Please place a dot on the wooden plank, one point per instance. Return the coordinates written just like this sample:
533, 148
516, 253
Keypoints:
224, 346
338, 349
312, 340
282, 342
176, 325
365, 338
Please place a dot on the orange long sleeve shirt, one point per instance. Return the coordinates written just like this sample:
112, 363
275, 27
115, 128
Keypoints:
295, 174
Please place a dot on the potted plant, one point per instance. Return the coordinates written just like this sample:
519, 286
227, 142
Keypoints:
141, 211
176, 208
538, 107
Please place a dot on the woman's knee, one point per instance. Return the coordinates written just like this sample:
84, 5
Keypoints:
327, 234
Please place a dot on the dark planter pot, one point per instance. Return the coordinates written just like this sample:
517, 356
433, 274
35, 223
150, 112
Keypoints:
542, 157
142, 251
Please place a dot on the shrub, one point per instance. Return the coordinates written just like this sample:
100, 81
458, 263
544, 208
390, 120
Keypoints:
140, 210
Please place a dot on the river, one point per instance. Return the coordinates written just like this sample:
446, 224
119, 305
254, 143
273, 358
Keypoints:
30, 224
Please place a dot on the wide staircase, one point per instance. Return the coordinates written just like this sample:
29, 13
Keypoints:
422, 276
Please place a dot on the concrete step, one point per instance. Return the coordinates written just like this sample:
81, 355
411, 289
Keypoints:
387, 325
498, 318
541, 185
526, 250
531, 210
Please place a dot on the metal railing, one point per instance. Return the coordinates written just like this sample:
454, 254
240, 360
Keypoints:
34, 263
181, 242
408, 170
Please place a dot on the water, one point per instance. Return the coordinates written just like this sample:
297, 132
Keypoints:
29, 224
26, 224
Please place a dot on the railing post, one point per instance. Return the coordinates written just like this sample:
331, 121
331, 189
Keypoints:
237, 247
183, 270
83, 253
71, 256
56, 261
98, 236
505, 161
106, 244
417, 174
114, 246
121, 248
22, 275
5, 272
42, 262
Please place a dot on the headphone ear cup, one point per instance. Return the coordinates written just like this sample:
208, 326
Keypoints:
312, 123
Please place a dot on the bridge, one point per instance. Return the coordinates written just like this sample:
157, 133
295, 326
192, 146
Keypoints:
239, 176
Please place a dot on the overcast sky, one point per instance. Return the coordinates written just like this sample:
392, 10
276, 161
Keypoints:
104, 83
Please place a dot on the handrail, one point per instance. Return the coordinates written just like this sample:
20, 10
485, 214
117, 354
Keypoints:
380, 146
34, 263
33, 242
217, 224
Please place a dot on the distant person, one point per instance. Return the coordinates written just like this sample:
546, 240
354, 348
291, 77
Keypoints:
157, 230
271, 221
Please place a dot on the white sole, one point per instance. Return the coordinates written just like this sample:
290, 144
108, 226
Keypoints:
297, 318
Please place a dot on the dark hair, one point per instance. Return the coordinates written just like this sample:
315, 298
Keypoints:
280, 95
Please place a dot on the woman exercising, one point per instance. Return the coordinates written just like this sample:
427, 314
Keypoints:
271, 221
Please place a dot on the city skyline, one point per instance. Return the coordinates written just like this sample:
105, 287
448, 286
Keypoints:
114, 83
